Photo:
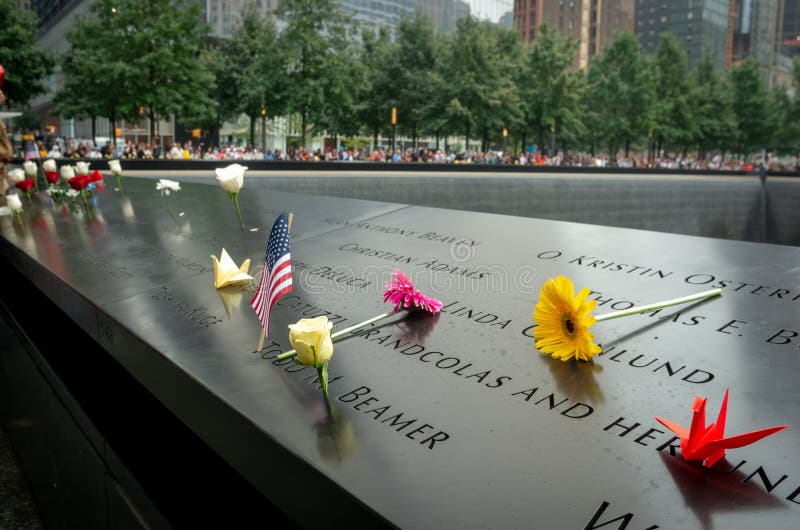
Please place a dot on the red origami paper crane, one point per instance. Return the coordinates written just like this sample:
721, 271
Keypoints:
708, 443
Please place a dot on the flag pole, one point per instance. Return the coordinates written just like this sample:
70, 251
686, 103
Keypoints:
263, 334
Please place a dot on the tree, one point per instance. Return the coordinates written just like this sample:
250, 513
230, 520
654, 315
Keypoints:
477, 62
551, 90
410, 68
673, 124
785, 113
374, 107
750, 102
339, 114
255, 63
26, 66
94, 76
223, 91
313, 30
711, 103
621, 93
161, 42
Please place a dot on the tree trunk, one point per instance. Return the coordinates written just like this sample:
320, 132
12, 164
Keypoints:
552, 143
113, 135
437, 139
375, 137
466, 140
485, 142
252, 131
414, 135
524, 137
152, 114
540, 139
627, 147
303, 129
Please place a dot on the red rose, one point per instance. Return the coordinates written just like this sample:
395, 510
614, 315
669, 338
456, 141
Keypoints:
78, 182
25, 185
95, 176
52, 176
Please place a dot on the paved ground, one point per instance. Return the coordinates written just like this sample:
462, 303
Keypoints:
17, 510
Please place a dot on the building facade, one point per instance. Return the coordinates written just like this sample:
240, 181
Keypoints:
757, 33
700, 25
729, 30
593, 23
790, 34
222, 15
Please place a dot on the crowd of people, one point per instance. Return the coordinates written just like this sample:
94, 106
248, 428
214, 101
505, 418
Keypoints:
189, 151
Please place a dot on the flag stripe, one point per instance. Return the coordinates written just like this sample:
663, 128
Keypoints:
274, 298
276, 279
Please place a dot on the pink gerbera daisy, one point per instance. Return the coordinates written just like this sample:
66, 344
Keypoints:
400, 292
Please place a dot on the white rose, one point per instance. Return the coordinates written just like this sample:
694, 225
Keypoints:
82, 168
30, 168
231, 178
13, 202
67, 172
50, 165
116, 169
166, 185
16, 175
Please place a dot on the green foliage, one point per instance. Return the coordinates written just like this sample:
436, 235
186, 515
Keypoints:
160, 41
26, 66
475, 79
621, 93
410, 69
223, 91
673, 126
551, 91
95, 75
373, 105
248, 69
314, 41
785, 114
711, 104
341, 88
750, 103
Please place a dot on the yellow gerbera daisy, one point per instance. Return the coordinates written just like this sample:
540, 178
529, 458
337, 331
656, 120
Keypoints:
564, 320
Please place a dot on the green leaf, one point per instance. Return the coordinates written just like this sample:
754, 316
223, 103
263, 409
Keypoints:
26, 65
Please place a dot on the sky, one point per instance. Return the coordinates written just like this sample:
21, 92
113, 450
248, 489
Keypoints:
490, 9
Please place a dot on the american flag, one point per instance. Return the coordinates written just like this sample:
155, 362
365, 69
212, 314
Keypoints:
276, 280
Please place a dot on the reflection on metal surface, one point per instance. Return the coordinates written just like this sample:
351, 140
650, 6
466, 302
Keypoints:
417, 326
231, 298
336, 439
721, 489
577, 379
126, 207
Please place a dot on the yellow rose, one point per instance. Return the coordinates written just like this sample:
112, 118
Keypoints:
312, 332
